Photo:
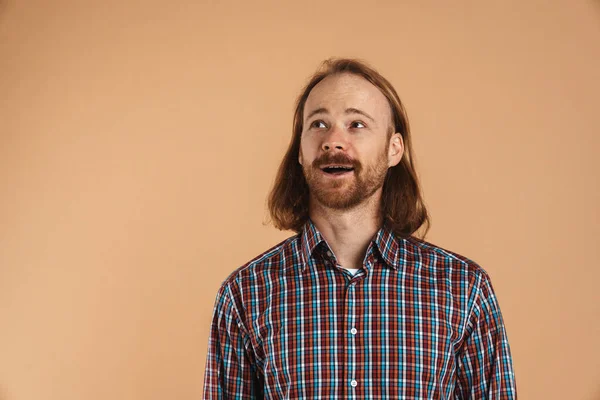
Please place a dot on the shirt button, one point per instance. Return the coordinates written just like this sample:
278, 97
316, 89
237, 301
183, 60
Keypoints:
353, 383
353, 331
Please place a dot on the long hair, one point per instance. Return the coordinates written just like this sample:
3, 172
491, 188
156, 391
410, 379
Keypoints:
402, 206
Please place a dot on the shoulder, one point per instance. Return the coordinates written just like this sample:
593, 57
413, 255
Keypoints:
437, 260
276, 259
250, 283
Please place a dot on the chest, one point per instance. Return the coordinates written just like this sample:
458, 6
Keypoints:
372, 335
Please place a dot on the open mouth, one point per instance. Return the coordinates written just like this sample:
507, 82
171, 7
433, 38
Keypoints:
337, 169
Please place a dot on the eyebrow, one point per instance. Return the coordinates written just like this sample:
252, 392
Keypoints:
347, 111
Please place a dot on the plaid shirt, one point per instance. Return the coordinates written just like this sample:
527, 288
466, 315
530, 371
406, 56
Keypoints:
415, 322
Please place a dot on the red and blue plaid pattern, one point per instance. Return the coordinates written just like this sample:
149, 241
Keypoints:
416, 322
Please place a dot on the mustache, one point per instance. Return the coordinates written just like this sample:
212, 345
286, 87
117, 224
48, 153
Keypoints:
338, 158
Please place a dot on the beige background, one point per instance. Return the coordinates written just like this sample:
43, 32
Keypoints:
139, 139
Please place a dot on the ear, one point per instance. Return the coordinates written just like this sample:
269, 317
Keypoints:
300, 157
396, 149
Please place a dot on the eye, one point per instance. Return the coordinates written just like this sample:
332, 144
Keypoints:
358, 124
315, 124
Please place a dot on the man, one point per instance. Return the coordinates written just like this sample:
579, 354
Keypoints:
355, 306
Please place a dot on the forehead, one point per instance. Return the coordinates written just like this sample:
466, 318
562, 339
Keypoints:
341, 91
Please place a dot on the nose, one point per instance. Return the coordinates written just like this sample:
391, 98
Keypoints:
334, 140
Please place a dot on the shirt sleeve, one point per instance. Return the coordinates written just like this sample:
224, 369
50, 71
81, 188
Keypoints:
485, 369
230, 372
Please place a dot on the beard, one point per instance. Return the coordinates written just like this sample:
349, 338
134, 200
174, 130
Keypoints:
349, 191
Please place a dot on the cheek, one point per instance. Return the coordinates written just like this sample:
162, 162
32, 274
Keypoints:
371, 151
306, 153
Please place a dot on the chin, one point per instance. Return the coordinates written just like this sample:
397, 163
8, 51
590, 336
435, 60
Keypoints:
339, 200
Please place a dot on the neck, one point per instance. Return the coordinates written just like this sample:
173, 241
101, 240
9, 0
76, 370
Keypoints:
348, 232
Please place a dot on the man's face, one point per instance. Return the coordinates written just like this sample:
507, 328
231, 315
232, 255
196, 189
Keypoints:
346, 124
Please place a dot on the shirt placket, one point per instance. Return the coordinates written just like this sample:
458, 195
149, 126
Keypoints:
351, 382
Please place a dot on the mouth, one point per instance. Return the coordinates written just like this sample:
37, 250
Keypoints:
337, 170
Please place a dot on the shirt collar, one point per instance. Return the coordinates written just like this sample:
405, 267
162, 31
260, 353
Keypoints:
385, 242
311, 237
388, 245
